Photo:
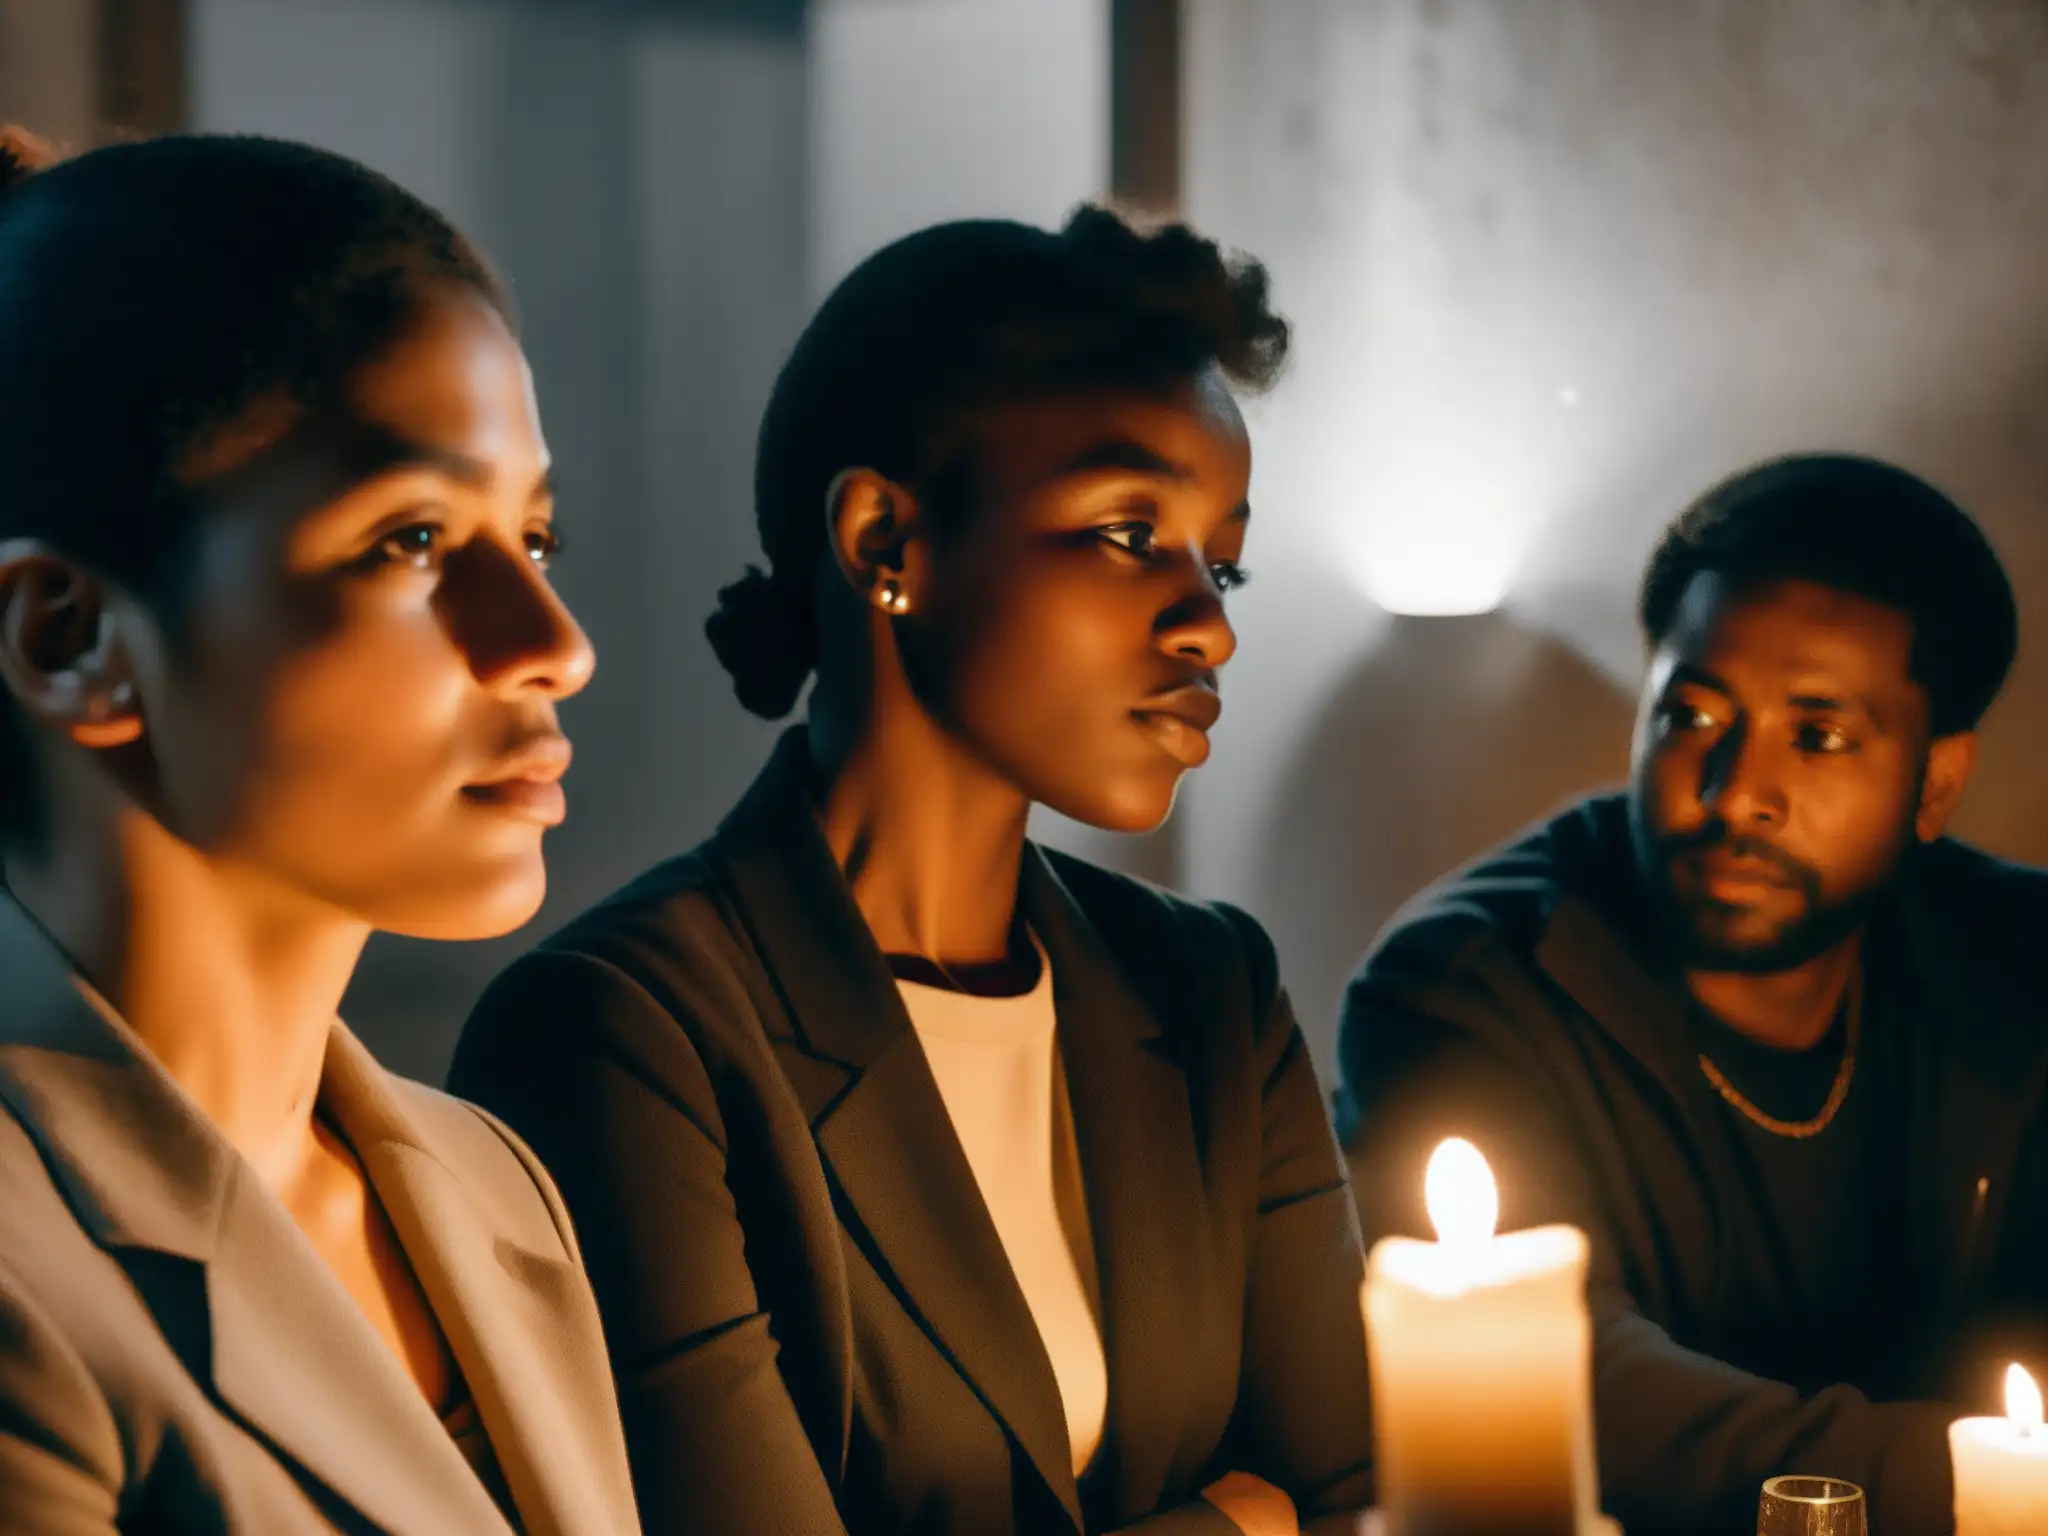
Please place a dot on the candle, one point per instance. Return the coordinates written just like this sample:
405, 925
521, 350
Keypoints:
1481, 1358
2001, 1466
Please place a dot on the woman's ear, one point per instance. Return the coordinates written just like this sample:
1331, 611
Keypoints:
60, 655
874, 527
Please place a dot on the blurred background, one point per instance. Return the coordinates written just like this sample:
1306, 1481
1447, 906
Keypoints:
1555, 265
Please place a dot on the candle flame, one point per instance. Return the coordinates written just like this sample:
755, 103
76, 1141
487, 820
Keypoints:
2022, 1400
1464, 1205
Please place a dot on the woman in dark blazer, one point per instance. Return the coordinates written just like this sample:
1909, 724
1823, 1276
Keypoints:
932, 1180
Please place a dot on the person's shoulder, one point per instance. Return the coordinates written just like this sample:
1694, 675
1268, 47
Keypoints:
1499, 907
663, 964
1950, 868
1143, 920
1993, 909
501, 1176
669, 908
469, 1141
670, 934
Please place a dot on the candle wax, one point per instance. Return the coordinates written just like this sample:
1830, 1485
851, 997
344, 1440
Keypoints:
1481, 1356
2001, 1478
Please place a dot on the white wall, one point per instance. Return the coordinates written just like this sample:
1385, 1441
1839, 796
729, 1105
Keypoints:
927, 110
1555, 268
641, 178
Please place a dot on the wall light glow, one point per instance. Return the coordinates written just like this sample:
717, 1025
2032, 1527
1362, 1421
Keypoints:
1422, 560
1431, 475
1438, 543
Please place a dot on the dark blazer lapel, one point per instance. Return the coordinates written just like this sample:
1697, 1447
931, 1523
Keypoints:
525, 1338
905, 1192
1146, 1201
233, 1284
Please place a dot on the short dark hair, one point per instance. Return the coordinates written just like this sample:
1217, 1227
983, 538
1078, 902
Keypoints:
927, 336
1863, 526
151, 293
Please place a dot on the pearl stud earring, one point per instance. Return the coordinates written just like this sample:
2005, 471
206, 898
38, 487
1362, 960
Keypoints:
114, 700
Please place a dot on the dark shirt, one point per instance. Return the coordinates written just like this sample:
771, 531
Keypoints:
1761, 1304
1810, 1287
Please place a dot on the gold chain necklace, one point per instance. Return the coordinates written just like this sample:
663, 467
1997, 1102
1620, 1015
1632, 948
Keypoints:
1799, 1130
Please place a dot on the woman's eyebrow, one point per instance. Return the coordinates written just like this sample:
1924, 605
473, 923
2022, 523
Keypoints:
1129, 454
384, 452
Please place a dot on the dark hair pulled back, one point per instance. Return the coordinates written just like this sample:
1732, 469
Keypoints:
151, 293
931, 333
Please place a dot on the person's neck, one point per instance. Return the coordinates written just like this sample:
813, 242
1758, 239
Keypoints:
1791, 1010
931, 841
232, 984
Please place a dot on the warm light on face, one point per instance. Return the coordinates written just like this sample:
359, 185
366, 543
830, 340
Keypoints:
1464, 1205
2022, 1401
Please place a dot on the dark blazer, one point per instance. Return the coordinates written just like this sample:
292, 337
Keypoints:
1520, 1004
174, 1357
811, 1318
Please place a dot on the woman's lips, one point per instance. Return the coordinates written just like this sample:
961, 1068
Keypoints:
1178, 721
537, 800
1186, 744
527, 782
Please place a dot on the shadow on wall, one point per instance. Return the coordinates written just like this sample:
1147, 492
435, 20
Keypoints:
1451, 735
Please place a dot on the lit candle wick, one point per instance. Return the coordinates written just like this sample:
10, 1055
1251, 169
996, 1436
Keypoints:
1464, 1204
2022, 1401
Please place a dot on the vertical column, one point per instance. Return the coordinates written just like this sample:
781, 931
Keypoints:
49, 69
1145, 96
973, 108
77, 72
142, 66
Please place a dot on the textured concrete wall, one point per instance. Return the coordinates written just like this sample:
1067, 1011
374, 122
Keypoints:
1557, 265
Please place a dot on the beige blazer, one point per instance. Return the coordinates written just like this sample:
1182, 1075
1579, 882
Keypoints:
175, 1357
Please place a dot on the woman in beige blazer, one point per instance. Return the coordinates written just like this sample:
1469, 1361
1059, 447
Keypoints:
278, 667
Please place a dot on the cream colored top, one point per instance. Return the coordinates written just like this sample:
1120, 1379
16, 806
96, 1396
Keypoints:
998, 1070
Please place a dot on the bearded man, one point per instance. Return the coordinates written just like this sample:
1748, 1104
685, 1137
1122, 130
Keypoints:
1756, 1024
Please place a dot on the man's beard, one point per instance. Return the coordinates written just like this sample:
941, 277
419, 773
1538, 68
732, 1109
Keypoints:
1686, 921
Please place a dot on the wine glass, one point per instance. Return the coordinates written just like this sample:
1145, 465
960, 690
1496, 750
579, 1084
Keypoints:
1811, 1506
